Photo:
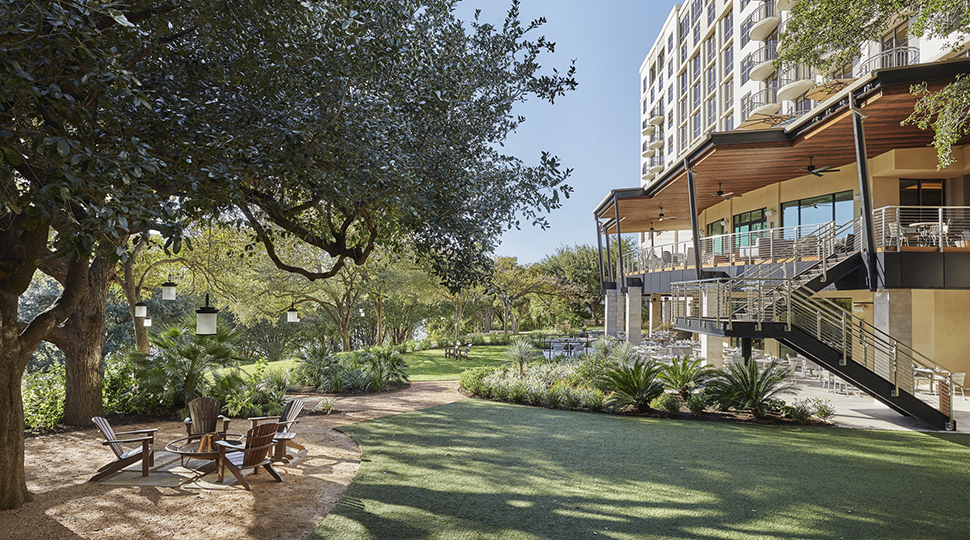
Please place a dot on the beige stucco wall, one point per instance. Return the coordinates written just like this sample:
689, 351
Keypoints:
941, 327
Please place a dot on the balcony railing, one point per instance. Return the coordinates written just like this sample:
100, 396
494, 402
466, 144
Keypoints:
795, 82
896, 57
763, 20
657, 163
761, 61
656, 116
922, 228
646, 127
763, 101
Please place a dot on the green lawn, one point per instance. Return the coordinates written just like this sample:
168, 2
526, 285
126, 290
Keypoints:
478, 469
433, 365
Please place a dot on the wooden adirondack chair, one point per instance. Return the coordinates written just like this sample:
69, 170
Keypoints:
204, 418
464, 355
145, 453
259, 441
284, 434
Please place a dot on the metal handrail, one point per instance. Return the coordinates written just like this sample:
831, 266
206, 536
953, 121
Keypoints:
890, 58
937, 227
762, 12
767, 53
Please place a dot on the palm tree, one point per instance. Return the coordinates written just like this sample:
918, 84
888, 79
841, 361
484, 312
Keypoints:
684, 374
745, 387
633, 385
521, 352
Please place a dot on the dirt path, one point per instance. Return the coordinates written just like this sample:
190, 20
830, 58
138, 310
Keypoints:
66, 506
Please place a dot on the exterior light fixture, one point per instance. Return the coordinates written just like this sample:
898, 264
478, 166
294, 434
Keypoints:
146, 322
141, 309
292, 315
168, 289
361, 312
205, 319
724, 222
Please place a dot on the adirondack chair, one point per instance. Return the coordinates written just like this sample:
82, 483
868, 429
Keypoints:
144, 453
453, 352
204, 418
284, 434
254, 453
464, 355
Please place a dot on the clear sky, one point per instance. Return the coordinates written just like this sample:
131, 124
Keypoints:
594, 130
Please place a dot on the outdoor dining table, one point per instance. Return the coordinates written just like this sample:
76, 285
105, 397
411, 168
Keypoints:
925, 231
923, 373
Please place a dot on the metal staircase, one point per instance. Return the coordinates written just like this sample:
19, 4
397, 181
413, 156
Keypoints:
780, 303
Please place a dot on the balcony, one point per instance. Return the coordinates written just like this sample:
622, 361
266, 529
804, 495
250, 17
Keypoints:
646, 151
763, 21
647, 128
646, 175
922, 228
657, 164
891, 58
657, 116
786, 5
761, 61
761, 102
795, 82
656, 140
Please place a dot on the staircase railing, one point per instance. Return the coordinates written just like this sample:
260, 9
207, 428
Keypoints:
819, 249
783, 301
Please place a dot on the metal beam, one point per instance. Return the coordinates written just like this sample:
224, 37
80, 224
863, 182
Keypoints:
694, 226
858, 133
599, 251
621, 279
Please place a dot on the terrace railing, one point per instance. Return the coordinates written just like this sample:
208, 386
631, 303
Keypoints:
931, 227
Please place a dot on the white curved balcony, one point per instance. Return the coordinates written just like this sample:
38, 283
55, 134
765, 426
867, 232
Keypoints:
646, 151
762, 102
761, 61
657, 164
891, 58
648, 176
786, 5
764, 19
795, 82
647, 128
657, 116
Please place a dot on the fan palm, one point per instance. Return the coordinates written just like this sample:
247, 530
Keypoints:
684, 374
745, 387
633, 385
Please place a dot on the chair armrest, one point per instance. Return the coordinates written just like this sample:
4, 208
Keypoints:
139, 439
229, 446
153, 430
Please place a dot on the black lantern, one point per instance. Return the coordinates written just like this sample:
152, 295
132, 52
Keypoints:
292, 315
168, 289
141, 309
205, 320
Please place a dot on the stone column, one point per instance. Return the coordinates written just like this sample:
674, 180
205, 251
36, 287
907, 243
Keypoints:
611, 312
712, 347
655, 317
634, 315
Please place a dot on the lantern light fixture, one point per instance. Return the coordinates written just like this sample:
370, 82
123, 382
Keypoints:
141, 309
168, 289
146, 322
292, 315
206, 319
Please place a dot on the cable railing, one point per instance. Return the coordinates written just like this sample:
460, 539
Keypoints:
815, 249
921, 228
890, 58
782, 301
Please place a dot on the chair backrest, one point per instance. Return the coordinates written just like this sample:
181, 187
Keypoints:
958, 378
260, 436
290, 411
109, 434
204, 413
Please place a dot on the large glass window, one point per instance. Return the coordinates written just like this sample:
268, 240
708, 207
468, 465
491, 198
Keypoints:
728, 26
716, 229
749, 222
835, 207
920, 192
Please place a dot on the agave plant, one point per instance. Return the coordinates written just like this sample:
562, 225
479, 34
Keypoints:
625, 353
633, 385
745, 387
684, 374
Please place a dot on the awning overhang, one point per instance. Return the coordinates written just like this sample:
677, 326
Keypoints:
743, 161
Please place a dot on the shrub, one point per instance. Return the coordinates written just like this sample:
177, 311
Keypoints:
822, 408
697, 403
315, 367
471, 379
252, 397
573, 398
684, 374
555, 396
325, 406
800, 411
625, 353
117, 392
384, 368
536, 394
517, 392
276, 381
591, 368
602, 346
669, 402
633, 385
43, 395
746, 388
595, 399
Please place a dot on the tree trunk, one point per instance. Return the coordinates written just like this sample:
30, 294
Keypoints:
344, 330
81, 339
380, 320
13, 487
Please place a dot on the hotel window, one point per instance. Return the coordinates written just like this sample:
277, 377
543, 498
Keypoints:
695, 68
670, 145
727, 90
711, 12
835, 207
728, 26
711, 108
670, 44
660, 80
921, 192
682, 135
695, 94
670, 94
697, 33
683, 107
644, 85
745, 36
711, 77
652, 94
845, 72
749, 222
746, 69
670, 69
683, 81
670, 118
729, 123
684, 27
710, 48
645, 106
695, 122
683, 53
728, 60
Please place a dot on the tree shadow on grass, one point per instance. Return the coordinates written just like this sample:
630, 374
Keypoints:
477, 469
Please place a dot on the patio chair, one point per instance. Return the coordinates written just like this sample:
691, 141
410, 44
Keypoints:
958, 379
453, 352
464, 355
204, 418
284, 433
144, 453
254, 453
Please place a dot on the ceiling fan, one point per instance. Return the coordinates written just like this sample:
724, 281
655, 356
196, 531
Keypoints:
721, 194
817, 171
662, 216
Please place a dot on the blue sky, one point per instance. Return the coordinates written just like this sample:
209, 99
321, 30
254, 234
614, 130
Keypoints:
594, 130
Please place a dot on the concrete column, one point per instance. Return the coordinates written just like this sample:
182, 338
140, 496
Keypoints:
634, 315
892, 312
611, 312
712, 350
655, 316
